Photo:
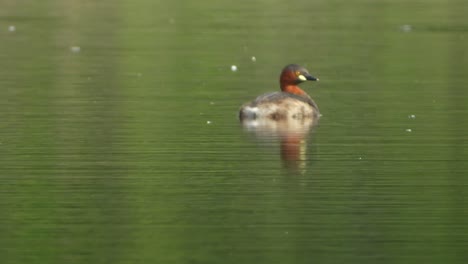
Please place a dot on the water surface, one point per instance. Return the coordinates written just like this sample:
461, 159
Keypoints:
119, 138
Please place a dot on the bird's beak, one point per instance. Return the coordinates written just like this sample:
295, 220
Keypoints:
311, 78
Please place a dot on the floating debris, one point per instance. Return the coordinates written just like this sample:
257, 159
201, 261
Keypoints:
233, 68
208, 122
412, 116
360, 158
408, 130
75, 49
253, 59
12, 28
406, 28
212, 103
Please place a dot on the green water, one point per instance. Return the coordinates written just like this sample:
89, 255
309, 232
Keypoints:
119, 138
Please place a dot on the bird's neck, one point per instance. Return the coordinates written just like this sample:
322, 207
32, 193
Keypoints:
294, 89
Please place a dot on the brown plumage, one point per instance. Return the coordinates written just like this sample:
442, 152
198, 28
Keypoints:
291, 103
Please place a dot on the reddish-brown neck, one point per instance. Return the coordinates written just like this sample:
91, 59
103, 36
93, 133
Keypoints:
294, 89
288, 83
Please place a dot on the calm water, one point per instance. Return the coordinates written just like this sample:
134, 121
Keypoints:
119, 138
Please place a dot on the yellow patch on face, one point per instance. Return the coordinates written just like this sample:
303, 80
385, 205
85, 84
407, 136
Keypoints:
302, 77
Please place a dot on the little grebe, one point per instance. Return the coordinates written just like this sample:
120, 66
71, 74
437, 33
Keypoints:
291, 103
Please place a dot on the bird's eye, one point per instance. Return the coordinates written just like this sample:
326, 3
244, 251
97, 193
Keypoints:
298, 73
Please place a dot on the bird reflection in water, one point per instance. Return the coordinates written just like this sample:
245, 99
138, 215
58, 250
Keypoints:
291, 134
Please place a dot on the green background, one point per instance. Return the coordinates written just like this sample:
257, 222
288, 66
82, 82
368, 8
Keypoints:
129, 150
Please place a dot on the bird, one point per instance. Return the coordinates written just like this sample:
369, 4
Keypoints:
291, 103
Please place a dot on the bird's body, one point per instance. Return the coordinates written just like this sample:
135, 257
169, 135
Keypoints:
291, 103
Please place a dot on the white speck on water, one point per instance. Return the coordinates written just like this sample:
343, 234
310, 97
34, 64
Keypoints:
406, 28
286, 233
233, 68
360, 158
412, 116
75, 49
12, 28
253, 59
208, 122
408, 130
